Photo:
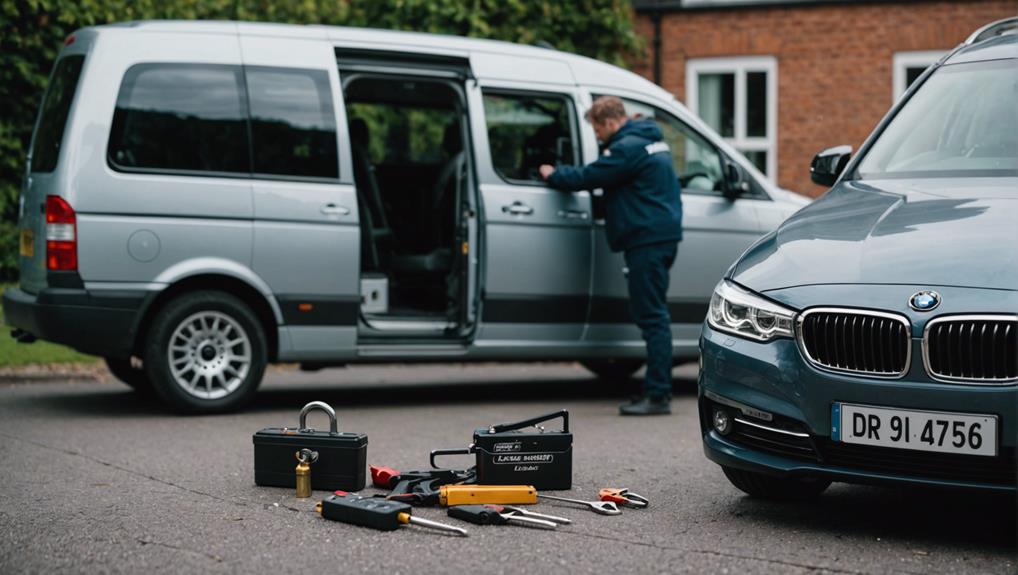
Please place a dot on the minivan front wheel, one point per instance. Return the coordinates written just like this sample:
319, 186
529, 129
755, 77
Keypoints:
206, 353
768, 487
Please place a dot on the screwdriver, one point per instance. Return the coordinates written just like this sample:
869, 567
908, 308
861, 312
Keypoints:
374, 512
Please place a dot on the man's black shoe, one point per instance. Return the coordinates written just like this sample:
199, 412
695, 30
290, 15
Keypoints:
647, 405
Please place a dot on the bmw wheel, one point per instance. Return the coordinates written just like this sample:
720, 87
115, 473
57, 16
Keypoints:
205, 353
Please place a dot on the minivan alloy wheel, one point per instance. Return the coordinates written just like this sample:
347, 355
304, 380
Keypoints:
209, 354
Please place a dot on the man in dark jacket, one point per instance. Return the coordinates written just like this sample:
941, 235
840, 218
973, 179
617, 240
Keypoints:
643, 217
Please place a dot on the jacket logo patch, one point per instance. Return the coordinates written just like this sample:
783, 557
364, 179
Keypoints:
656, 148
607, 152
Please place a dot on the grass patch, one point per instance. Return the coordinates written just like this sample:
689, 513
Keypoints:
13, 354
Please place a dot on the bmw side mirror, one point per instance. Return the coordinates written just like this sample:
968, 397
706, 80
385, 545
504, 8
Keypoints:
828, 165
736, 180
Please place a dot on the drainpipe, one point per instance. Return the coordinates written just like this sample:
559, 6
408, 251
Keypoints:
655, 17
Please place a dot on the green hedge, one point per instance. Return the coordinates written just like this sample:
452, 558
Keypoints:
34, 31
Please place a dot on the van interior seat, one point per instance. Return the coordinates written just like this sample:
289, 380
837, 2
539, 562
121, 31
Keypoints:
380, 249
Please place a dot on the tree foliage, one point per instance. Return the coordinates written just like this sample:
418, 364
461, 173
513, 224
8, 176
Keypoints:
34, 30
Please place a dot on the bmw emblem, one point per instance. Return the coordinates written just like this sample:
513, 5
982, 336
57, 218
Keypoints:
924, 300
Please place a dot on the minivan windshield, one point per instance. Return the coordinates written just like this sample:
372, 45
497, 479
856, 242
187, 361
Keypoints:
962, 122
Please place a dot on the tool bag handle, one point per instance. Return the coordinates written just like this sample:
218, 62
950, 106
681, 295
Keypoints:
460, 451
532, 421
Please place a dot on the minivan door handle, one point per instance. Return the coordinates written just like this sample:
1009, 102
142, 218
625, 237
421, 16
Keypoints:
573, 214
334, 210
518, 209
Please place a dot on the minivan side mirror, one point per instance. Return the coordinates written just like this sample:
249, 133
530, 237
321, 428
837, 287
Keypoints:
828, 165
736, 180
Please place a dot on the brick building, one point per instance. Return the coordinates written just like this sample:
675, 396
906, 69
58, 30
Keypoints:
783, 79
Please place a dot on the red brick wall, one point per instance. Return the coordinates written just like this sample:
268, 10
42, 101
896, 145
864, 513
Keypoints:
834, 61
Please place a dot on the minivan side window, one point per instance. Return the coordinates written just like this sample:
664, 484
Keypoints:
293, 123
181, 117
53, 116
697, 163
527, 130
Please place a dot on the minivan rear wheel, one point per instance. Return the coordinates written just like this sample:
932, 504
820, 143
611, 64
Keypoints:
125, 371
769, 487
613, 368
205, 353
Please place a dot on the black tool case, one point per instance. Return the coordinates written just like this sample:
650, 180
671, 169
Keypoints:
342, 456
511, 454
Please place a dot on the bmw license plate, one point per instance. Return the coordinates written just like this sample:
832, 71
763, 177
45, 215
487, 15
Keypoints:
944, 432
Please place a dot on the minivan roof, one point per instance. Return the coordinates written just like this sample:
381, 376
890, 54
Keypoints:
586, 71
995, 41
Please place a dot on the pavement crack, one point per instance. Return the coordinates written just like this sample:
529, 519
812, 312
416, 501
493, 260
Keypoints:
215, 558
125, 470
719, 554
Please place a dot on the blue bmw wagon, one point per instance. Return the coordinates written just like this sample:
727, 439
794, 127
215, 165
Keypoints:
873, 337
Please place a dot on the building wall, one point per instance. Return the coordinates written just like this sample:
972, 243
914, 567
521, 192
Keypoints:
834, 61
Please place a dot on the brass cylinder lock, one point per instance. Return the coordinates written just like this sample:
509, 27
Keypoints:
305, 457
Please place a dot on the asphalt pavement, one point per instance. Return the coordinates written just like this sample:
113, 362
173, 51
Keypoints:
94, 479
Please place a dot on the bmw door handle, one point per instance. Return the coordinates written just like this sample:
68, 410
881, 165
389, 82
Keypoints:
334, 210
573, 214
518, 209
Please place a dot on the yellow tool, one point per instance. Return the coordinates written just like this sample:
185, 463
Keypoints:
450, 495
305, 457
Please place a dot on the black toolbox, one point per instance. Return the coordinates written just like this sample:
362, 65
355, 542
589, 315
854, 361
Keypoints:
342, 456
511, 454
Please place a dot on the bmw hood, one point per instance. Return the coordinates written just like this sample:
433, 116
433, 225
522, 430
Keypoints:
942, 232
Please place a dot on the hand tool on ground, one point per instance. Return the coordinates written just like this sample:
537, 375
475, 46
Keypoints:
417, 487
623, 497
602, 507
376, 513
305, 457
526, 513
497, 515
450, 495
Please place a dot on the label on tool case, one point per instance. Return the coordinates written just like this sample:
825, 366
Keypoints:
524, 458
508, 446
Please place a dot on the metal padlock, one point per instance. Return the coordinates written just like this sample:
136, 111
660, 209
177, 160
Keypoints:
305, 457
320, 405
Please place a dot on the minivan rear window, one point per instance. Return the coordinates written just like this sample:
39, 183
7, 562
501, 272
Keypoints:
53, 117
181, 118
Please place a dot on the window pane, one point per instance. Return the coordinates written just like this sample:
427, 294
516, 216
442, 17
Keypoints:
912, 74
527, 131
53, 117
293, 127
716, 102
758, 159
756, 104
696, 161
180, 117
404, 134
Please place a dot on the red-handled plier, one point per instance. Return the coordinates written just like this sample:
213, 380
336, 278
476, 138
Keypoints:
623, 497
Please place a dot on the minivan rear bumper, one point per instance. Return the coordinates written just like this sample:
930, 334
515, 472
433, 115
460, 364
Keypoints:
76, 318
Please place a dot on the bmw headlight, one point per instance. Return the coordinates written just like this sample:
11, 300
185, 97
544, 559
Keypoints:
741, 312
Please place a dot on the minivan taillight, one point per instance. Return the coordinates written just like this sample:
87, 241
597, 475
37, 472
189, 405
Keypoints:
61, 235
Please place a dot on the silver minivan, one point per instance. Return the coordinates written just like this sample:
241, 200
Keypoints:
204, 198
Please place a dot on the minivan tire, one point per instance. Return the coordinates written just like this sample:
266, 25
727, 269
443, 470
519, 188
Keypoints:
780, 488
613, 368
135, 377
218, 356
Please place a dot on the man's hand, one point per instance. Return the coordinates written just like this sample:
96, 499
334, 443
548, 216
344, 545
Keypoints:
546, 170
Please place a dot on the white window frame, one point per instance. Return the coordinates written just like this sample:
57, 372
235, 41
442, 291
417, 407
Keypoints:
740, 66
902, 61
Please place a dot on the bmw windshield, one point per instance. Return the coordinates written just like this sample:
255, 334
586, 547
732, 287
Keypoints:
962, 122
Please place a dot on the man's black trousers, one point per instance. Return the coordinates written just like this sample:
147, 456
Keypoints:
648, 301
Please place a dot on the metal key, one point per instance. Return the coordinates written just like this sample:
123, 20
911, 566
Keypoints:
525, 513
602, 507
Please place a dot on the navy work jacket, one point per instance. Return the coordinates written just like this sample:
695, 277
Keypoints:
642, 202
